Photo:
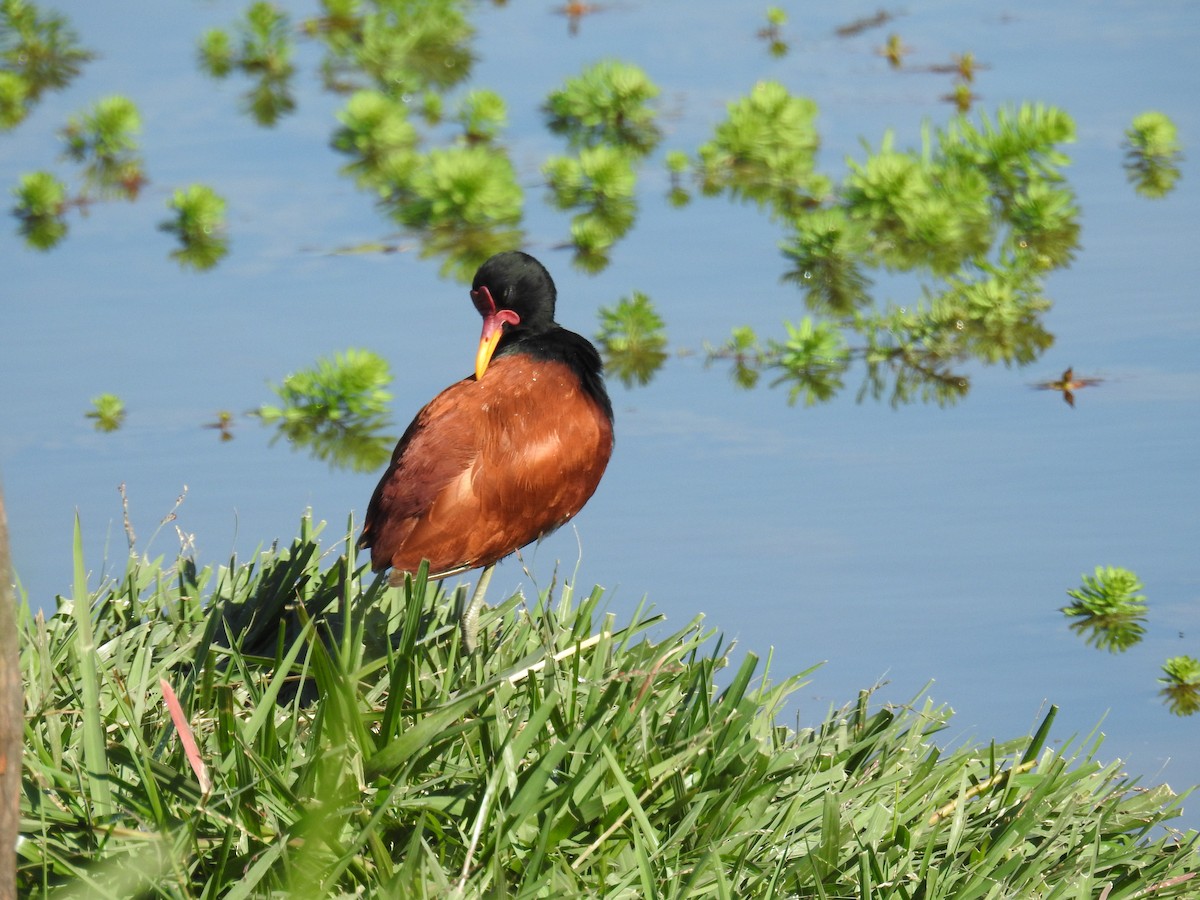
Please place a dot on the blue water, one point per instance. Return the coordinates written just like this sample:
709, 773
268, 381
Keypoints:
904, 546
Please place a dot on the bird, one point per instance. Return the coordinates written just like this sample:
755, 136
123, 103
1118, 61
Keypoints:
503, 457
1068, 384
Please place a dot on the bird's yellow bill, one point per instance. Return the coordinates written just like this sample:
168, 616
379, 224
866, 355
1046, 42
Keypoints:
487, 346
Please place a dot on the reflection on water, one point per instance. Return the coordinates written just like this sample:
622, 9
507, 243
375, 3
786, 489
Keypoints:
338, 410
108, 412
40, 52
1181, 686
261, 48
1068, 384
981, 214
1110, 613
1152, 156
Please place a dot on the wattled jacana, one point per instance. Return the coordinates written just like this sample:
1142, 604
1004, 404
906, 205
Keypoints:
503, 457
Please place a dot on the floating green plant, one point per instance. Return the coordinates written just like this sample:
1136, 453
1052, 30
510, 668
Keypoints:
350, 387
104, 138
1109, 610
401, 48
599, 184
41, 206
108, 411
980, 212
377, 133
812, 360
745, 354
1153, 154
261, 47
1181, 686
336, 410
772, 32
765, 152
483, 115
463, 202
14, 93
607, 104
38, 52
199, 223
632, 338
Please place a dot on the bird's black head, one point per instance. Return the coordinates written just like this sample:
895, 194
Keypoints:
516, 281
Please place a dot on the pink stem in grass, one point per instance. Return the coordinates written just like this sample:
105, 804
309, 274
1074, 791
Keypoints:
185, 735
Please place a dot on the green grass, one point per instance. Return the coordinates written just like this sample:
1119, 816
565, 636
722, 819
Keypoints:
353, 750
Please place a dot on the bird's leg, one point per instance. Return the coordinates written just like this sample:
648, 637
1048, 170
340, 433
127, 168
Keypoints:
468, 622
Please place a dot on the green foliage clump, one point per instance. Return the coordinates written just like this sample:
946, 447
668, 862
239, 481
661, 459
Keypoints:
337, 410
14, 93
376, 132
606, 116
981, 211
1181, 686
918, 213
402, 48
38, 52
600, 184
199, 223
350, 387
261, 48
826, 252
1153, 153
772, 32
108, 411
469, 185
41, 206
812, 360
745, 353
1109, 609
462, 200
483, 115
105, 139
632, 338
332, 739
465, 202
607, 104
1110, 612
765, 152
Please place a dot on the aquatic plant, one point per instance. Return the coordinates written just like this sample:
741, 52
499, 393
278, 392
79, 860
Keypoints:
402, 49
39, 51
1153, 153
337, 410
1181, 686
261, 47
350, 387
104, 138
765, 152
1109, 610
108, 411
632, 338
378, 135
599, 184
483, 115
199, 223
980, 211
41, 207
606, 104
772, 32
